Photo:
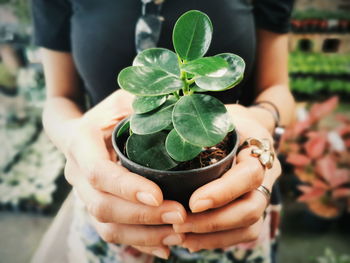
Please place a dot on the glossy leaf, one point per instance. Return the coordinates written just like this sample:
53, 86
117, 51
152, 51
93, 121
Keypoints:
195, 88
216, 66
159, 58
149, 150
231, 78
146, 81
145, 104
192, 35
153, 121
123, 129
179, 149
201, 119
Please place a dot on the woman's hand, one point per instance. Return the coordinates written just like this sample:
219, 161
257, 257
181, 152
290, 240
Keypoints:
229, 211
125, 208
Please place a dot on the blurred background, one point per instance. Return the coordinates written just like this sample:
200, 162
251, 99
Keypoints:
315, 152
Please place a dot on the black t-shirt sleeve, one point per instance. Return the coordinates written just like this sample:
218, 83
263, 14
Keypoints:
273, 15
51, 20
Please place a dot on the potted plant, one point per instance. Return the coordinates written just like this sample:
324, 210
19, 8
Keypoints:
319, 152
178, 136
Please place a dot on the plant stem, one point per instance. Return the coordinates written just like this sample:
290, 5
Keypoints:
176, 94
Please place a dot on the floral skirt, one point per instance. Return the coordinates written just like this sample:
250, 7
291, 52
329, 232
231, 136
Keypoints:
85, 246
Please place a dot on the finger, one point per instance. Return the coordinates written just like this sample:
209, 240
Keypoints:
159, 251
112, 178
240, 213
195, 242
139, 235
243, 177
108, 208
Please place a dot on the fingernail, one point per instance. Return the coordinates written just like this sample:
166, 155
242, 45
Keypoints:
160, 253
171, 240
202, 205
172, 218
147, 198
183, 228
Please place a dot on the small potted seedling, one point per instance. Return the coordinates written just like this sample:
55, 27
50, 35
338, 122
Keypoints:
179, 137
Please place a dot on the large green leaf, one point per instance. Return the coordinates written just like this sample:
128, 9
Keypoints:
159, 58
179, 149
192, 35
146, 81
231, 78
145, 104
153, 121
216, 66
149, 150
201, 119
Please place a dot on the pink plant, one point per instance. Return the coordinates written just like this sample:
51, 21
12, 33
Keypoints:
323, 168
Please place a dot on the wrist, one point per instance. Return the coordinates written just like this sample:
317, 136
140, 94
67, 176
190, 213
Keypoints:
247, 125
264, 117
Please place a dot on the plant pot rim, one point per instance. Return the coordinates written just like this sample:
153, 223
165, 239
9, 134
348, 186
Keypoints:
169, 172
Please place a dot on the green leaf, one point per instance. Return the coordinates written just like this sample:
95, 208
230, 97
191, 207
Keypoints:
201, 119
123, 129
149, 150
153, 121
179, 149
192, 35
216, 66
195, 88
145, 104
231, 78
158, 58
146, 81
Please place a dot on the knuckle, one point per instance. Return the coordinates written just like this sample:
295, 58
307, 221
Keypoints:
97, 210
93, 174
122, 184
92, 177
256, 174
252, 234
142, 217
109, 236
253, 216
213, 226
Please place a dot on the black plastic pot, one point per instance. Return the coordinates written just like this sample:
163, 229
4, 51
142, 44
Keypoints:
177, 185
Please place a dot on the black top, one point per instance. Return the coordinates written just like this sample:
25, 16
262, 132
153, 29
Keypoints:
101, 34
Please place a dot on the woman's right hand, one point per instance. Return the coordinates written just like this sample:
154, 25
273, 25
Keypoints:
126, 208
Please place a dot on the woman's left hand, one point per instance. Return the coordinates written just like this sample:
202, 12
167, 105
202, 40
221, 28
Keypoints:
228, 210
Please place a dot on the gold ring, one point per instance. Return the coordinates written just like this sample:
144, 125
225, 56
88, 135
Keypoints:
263, 151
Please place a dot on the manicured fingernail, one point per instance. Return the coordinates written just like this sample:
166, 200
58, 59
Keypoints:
171, 240
147, 198
202, 205
160, 253
172, 218
183, 228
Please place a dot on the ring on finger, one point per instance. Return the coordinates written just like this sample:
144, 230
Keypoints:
266, 193
263, 151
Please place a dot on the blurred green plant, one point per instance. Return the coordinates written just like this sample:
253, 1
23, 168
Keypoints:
319, 63
310, 86
320, 14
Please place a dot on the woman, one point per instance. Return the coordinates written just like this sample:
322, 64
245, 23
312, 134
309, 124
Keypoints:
85, 44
